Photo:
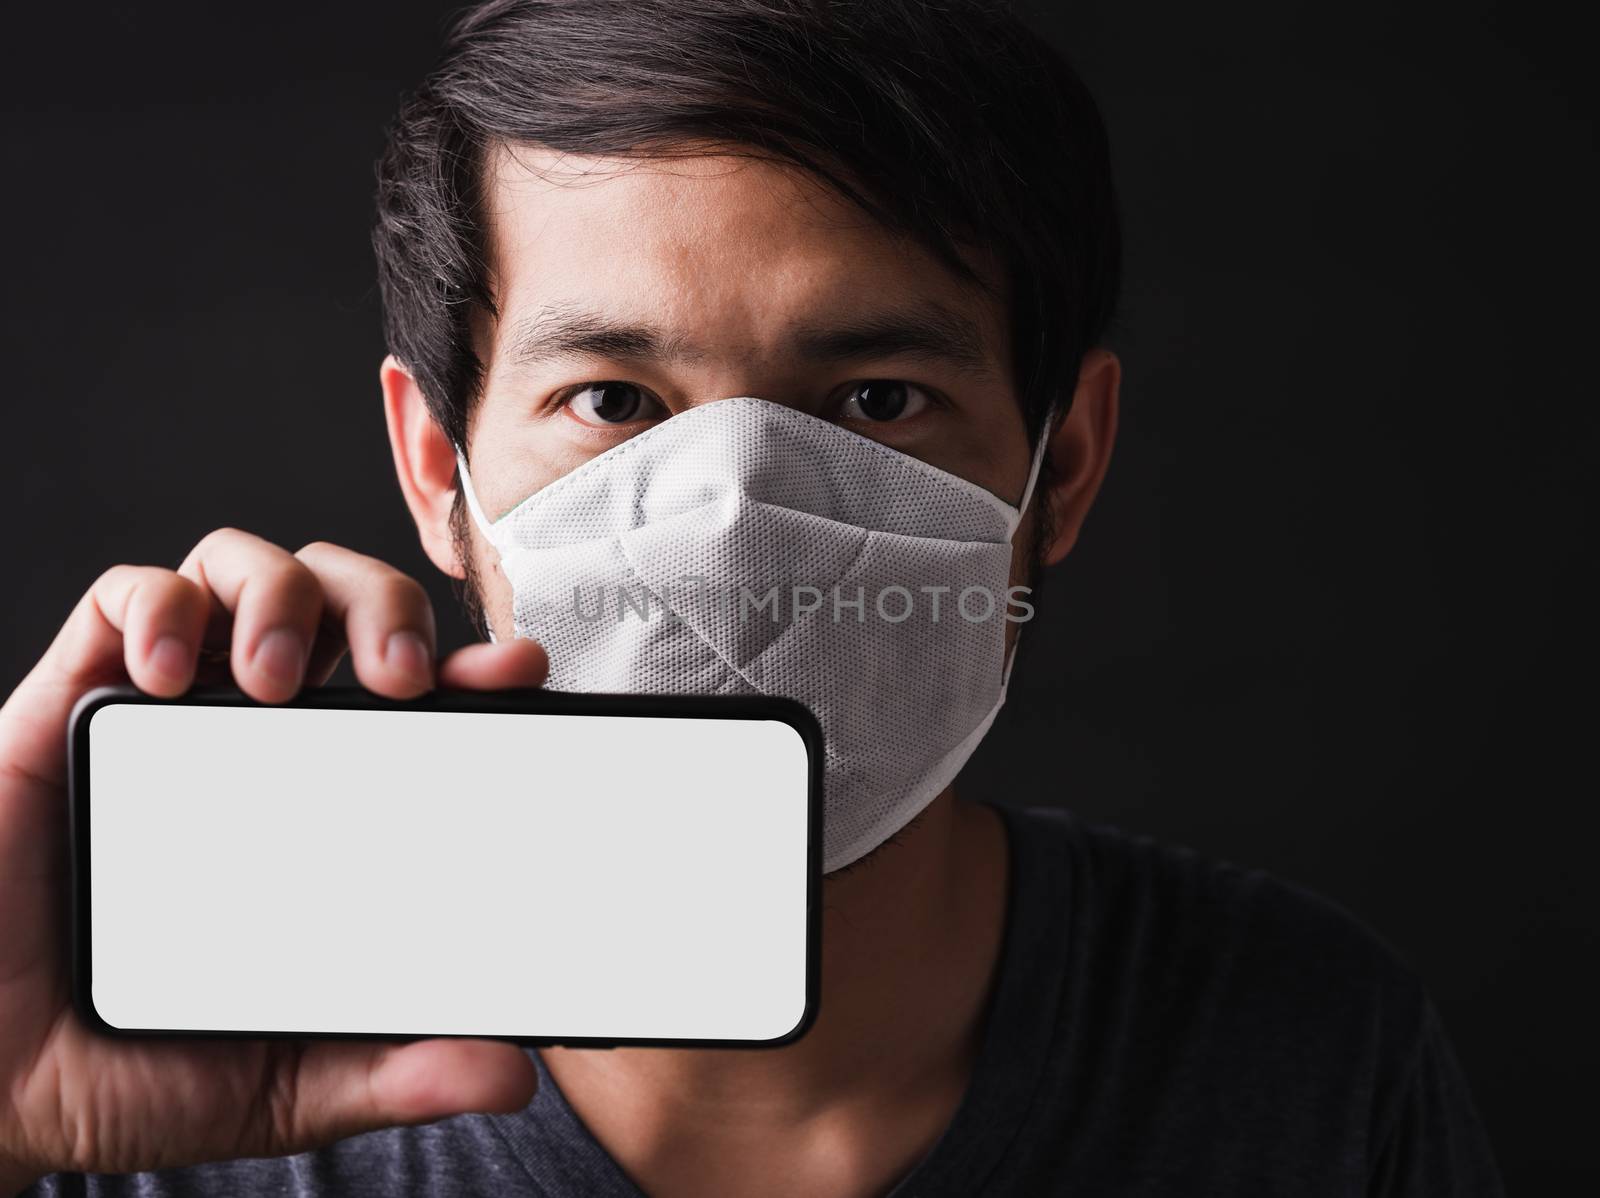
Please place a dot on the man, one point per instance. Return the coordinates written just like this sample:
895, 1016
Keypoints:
892, 219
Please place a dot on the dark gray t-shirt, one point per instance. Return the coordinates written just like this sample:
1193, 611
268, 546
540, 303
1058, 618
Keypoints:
1163, 1024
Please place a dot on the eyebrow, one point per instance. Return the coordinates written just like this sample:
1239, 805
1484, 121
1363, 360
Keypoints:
929, 331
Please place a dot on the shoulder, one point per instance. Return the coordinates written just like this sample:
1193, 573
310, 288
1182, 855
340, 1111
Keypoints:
1224, 950
1245, 1024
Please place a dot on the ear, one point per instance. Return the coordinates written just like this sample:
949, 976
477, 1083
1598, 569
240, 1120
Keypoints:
425, 461
1080, 449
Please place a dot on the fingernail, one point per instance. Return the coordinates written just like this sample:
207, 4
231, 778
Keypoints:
407, 653
170, 657
280, 657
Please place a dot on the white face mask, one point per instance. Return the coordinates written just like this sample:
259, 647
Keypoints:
743, 547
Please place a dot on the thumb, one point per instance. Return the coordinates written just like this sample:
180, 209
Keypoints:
337, 1089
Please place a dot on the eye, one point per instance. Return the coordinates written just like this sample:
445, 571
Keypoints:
612, 403
883, 400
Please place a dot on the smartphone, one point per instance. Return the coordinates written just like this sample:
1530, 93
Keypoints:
524, 865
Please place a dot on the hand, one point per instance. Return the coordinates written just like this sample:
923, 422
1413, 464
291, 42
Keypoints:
74, 1101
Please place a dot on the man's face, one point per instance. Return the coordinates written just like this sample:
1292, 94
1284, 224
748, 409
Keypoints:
678, 283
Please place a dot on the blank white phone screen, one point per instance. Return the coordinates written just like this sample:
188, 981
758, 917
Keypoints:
497, 874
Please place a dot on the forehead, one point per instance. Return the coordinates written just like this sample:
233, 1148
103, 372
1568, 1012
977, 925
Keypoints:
749, 244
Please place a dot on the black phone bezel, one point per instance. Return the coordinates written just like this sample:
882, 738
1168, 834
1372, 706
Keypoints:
530, 700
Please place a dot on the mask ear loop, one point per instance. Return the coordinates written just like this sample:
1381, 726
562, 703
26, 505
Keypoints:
1034, 469
478, 518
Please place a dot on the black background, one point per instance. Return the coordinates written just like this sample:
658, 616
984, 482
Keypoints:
1325, 618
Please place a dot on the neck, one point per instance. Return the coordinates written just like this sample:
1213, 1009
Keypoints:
910, 945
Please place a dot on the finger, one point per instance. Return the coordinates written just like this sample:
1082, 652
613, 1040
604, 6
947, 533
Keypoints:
495, 667
383, 614
343, 1089
163, 623
275, 603
136, 622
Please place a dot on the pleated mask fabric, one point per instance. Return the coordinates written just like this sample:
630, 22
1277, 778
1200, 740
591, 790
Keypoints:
744, 547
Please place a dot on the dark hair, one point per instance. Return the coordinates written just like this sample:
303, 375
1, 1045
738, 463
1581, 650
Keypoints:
951, 122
